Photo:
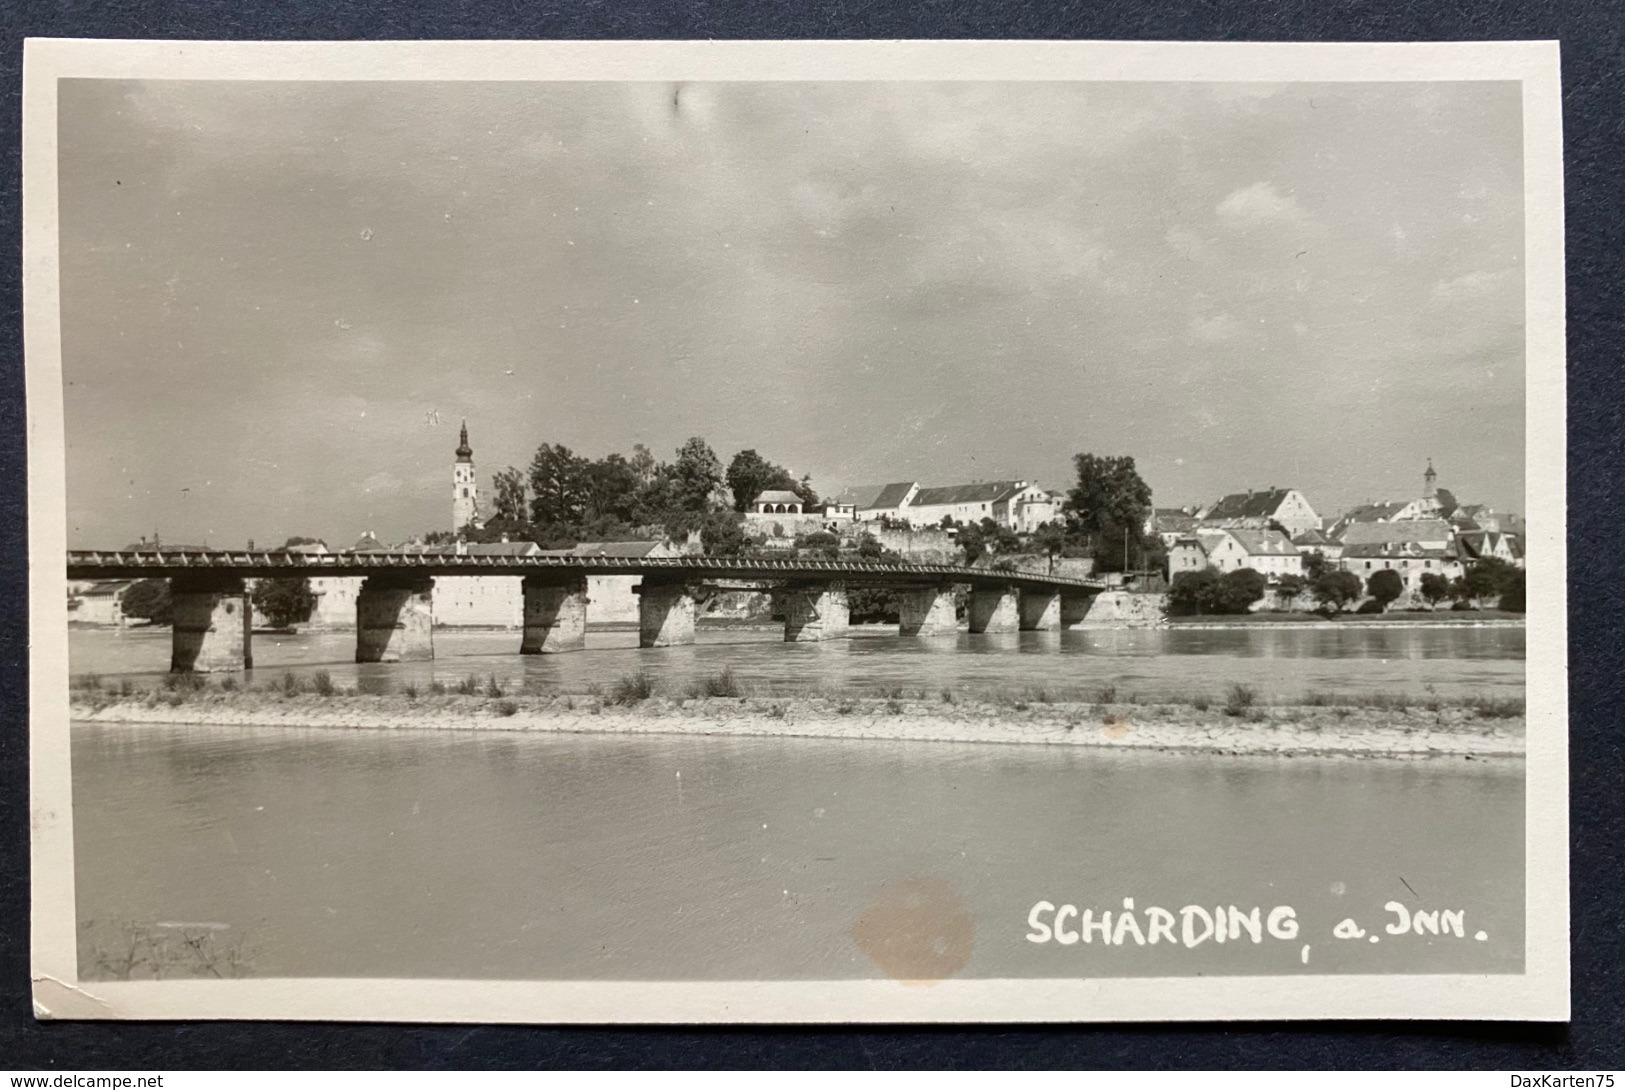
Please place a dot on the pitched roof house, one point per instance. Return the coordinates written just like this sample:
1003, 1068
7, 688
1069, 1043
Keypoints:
1256, 510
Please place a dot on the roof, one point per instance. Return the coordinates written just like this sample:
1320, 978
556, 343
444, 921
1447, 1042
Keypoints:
1312, 539
778, 495
1171, 520
635, 550
1365, 533
890, 495
1245, 505
1396, 548
500, 548
1485, 542
1264, 542
984, 492
368, 543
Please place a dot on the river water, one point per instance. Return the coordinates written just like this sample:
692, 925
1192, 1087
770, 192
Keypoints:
462, 855
1280, 661
466, 855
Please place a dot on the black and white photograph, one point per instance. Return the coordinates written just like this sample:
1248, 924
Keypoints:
682, 533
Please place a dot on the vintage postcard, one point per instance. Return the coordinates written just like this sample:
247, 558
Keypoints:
796, 532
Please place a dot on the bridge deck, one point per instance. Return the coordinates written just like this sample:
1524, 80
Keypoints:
141, 564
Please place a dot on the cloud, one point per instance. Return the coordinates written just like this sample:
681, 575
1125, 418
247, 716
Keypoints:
1259, 203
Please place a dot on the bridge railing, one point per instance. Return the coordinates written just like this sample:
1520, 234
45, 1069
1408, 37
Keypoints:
94, 563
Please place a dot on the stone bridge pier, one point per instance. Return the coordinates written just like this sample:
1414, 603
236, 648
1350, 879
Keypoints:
666, 612
394, 618
993, 609
555, 615
213, 624
926, 611
813, 611
1040, 610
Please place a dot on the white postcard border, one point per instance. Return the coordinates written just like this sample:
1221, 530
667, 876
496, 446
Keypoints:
1540, 993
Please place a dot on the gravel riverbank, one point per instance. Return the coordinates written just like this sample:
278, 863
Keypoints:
1441, 731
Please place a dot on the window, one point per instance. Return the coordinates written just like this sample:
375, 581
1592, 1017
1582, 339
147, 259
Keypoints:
1368, 565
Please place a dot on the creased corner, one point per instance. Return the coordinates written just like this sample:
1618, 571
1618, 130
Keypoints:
55, 999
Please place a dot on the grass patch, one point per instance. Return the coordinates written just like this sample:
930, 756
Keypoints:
1486, 707
229, 684
632, 689
722, 684
291, 684
948, 697
506, 708
437, 688
493, 688
1200, 703
322, 683
410, 690
1106, 694
468, 686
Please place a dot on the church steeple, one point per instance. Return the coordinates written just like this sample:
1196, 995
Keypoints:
465, 498
1429, 490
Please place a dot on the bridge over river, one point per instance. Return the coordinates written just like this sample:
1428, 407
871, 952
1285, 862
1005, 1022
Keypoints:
395, 605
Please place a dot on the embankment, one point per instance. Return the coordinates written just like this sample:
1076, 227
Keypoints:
1464, 731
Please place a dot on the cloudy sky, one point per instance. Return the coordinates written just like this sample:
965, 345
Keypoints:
279, 299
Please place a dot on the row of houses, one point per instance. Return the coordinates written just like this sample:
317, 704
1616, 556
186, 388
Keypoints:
1020, 505
1274, 530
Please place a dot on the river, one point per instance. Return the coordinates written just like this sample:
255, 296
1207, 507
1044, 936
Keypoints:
1280, 661
462, 855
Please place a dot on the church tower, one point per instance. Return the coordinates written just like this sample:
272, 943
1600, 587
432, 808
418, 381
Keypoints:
1429, 488
465, 505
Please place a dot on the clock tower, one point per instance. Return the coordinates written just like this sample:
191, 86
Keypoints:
465, 505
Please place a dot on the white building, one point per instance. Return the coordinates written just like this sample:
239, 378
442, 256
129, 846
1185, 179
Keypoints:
1268, 552
1251, 510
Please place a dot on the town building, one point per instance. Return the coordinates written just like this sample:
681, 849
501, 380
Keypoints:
1283, 507
774, 502
1170, 524
1020, 505
1490, 545
1424, 533
99, 603
1409, 558
1317, 541
1268, 552
873, 502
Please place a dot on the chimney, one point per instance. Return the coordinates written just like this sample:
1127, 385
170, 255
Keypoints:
250, 544
504, 539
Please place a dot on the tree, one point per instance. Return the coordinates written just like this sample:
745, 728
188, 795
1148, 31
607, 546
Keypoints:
869, 548
148, 600
558, 486
1315, 565
1435, 588
972, 541
1050, 538
1385, 587
1337, 589
1289, 588
682, 494
1513, 592
284, 601
1194, 592
748, 476
722, 535
611, 490
1109, 495
1239, 589
512, 497
293, 541
1485, 580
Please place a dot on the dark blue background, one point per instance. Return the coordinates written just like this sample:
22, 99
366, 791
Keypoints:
1594, 160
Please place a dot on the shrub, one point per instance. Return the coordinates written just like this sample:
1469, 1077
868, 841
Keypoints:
1106, 694
506, 708
437, 688
322, 683
1239, 698
948, 696
493, 687
228, 684
468, 686
632, 689
715, 685
410, 690
1371, 606
291, 684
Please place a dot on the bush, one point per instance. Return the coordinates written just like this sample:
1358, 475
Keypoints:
1372, 606
1435, 588
632, 689
322, 683
1207, 591
1512, 592
493, 687
468, 686
506, 708
148, 600
1239, 698
723, 684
